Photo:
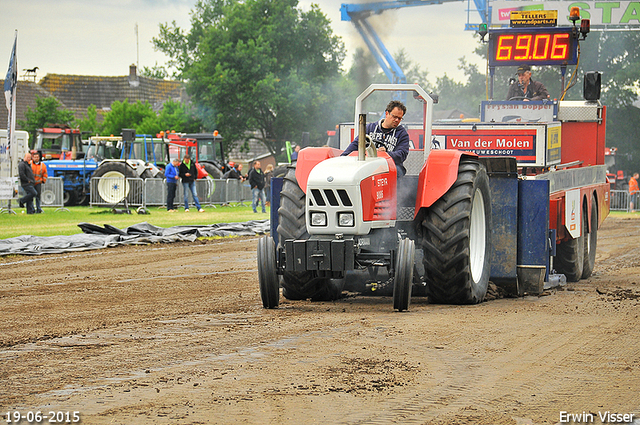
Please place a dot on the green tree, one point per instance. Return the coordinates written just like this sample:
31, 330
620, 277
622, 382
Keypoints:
174, 116
260, 64
48, 112
156, 71
126, 115
89, 122
465, 96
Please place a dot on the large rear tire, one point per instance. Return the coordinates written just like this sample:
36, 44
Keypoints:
403, 280
590, 240
213, 171
113, 187
456, 239
267, 273
69, 198
291, 225
569, 259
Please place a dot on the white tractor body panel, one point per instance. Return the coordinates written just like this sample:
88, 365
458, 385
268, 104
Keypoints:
333, 184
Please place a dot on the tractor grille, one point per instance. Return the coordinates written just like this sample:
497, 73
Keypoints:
383, 210
334, 198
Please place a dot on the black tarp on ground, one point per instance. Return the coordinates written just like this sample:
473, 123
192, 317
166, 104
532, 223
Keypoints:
96, 237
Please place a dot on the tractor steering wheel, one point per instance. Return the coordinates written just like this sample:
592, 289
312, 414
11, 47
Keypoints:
370, 147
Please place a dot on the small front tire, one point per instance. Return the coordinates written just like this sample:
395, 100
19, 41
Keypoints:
403, 281
267, 273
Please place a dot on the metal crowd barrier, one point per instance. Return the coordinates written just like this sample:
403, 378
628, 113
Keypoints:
109, 191
52, 194
155, 192
619, 200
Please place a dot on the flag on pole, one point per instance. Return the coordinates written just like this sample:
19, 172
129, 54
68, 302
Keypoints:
10, 85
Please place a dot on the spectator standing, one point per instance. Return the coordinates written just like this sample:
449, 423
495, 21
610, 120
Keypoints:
268, 174
242, 176
27, 182
188, 173
172, 175
634, 191
40, 177
294, 154
257, 182
231, 173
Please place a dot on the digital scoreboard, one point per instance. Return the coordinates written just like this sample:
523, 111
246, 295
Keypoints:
533, 46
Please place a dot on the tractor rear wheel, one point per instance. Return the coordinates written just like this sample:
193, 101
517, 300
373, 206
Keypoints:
569, 259
456, 239
590, 240
69, 198
267, 273
292, 225
213, 171
113, 187
405, 257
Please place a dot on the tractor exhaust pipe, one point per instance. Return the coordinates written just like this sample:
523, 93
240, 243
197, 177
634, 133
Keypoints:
362, 138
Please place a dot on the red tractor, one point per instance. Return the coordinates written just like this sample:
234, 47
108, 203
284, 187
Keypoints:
507, 202
205, 148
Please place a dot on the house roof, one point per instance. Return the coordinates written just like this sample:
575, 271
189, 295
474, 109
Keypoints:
26, 93
77, 92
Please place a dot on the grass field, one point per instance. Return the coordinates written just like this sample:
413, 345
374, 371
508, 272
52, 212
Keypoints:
53, 222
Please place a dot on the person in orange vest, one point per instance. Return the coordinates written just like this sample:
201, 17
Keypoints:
634, 191
40, 176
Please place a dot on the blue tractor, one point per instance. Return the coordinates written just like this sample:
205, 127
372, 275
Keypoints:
122, 157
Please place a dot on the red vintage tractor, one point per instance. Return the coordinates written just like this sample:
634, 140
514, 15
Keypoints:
343, 213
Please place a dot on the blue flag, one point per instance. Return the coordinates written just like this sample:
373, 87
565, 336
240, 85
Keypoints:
10, 85
11, 81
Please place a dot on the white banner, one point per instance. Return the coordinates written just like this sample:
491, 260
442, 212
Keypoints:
603, 14
8, 187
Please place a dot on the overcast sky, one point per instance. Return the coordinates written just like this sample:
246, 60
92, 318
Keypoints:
99, 38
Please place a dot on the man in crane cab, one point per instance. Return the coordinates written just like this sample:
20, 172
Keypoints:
525, 88
388, 135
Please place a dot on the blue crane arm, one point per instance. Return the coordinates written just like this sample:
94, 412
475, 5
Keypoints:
358, 14
350, 11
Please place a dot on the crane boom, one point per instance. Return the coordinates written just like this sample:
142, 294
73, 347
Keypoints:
358, 14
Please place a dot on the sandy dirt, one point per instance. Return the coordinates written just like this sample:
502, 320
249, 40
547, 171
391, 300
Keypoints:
176, 334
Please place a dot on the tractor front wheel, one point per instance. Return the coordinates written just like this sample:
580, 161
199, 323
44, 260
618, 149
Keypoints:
456, 239
405, 257
267, 273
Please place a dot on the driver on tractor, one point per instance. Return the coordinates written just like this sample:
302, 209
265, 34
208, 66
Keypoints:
388, 135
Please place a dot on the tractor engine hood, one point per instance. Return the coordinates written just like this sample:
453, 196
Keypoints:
351, 197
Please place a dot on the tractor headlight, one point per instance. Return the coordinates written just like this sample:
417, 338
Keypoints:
318, 219
345, 219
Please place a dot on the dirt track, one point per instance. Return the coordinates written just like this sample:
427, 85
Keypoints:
176, 334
